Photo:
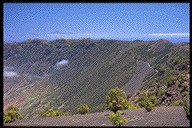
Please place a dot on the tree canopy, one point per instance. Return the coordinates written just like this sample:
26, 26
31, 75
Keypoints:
116, 100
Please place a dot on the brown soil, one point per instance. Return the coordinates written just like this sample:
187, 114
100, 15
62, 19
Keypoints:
160, 116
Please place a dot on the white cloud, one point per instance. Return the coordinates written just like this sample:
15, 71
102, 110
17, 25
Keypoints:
61, 63
170, 34
10, 74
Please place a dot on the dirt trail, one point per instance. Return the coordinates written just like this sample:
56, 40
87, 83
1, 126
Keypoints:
160, 116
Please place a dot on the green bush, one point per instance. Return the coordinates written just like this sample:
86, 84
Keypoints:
116, 100
11, 114
149, 106
160, 92
53, 112
83, 108
117, 119
148, 102
131, 106
50, 113
176, 103
6, 119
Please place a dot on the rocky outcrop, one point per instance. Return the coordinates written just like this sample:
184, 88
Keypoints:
169, 96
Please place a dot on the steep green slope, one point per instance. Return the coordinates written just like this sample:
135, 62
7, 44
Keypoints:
89, 80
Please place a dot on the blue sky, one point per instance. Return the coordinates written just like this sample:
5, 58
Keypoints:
126, 21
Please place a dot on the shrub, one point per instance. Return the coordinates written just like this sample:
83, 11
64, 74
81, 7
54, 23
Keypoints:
83, 108
148, 102
143, 103
117, 119
116, 100
149, 106
50, 113
11, 114
7, 119
53, 112
176, 103
131, 106
160, 92
153, 100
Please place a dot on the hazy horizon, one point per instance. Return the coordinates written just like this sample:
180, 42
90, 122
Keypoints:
172, 40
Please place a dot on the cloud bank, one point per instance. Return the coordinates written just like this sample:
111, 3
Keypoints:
7, 72
10, 74
170, 34
127, 36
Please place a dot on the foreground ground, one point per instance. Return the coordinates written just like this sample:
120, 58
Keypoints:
160, 116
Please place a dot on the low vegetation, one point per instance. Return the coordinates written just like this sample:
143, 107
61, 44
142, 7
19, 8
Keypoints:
176, 103
116, 100
83, 108
11, 114
148, 102
117, 119
53, 112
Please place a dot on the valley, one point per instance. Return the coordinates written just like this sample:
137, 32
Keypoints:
65, 73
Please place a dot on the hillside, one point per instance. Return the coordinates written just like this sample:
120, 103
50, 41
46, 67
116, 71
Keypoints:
167, 116
65, 73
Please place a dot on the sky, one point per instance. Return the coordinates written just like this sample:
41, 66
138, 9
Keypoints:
124, 21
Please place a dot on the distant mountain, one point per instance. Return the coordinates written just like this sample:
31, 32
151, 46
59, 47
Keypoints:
64, 73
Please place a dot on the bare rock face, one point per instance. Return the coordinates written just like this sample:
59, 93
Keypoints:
163, 87
169, 96
170, 93
187, 89
166, 102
